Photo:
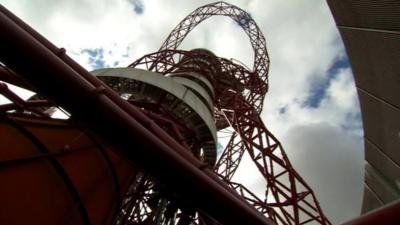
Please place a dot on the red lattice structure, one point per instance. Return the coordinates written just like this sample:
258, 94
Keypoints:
288, 199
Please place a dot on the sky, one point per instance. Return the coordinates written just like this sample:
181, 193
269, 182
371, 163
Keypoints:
311, 106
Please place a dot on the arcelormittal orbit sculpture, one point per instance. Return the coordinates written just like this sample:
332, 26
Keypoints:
234, 97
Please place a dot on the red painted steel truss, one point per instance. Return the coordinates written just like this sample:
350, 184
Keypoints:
288, 199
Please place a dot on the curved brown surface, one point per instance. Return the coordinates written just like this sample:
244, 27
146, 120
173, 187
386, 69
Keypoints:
51, 172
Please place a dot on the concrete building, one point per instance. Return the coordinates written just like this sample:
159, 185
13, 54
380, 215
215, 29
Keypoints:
371, 34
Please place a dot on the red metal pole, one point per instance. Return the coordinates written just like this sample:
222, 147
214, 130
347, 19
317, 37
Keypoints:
125, 127
18, 101
27, 104
11, 78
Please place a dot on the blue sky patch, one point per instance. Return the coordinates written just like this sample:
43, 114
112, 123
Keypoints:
96, 57
283, 110
244, 20
220, 149
319, 88
93, 52
137, 5
353, 121
339, 64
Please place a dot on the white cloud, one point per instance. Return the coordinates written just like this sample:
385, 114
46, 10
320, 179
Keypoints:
302, 41
333, 165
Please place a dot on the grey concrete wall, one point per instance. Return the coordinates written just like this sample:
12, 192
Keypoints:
371, 33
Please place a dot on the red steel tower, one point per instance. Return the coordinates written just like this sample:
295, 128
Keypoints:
140, 144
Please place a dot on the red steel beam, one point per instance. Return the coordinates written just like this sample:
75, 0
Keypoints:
58, 77
11, 78
26, 105
18, 101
